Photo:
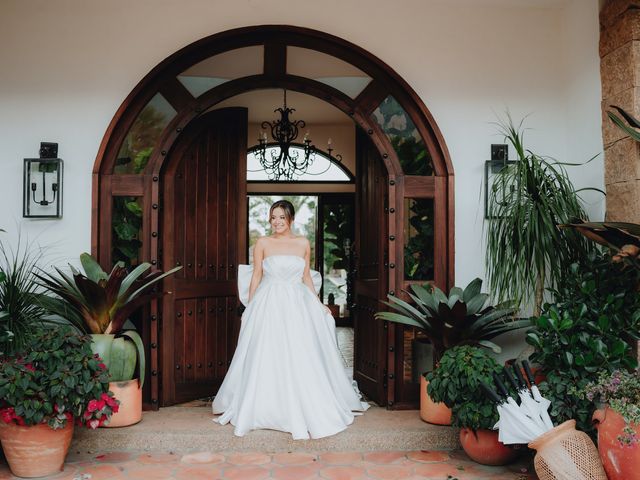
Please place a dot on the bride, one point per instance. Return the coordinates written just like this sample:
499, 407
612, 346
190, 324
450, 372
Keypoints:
286, 373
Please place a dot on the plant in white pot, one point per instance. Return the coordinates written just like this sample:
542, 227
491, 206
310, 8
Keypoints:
99, 304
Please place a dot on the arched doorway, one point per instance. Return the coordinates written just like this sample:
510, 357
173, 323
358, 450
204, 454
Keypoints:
404, 168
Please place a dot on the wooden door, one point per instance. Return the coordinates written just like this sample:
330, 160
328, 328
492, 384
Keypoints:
372, 254
204, 231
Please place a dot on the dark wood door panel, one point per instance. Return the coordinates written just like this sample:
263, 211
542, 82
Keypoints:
204, 197
370, 367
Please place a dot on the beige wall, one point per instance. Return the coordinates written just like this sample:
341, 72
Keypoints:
67, 65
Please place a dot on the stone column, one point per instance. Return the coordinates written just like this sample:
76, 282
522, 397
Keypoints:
620, 73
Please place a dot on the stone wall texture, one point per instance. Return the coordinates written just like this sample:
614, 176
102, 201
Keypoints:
620, 72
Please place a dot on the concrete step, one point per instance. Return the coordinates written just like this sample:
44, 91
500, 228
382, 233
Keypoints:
188, 429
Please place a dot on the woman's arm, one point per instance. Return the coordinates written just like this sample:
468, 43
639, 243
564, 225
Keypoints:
258, 255
306, 276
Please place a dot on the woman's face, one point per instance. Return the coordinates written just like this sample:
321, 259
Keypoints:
279, 222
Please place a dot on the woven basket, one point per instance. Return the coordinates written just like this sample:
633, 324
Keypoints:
564, 453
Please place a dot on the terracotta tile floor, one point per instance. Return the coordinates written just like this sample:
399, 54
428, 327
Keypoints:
436, 465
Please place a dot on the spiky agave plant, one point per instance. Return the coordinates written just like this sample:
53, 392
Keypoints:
462, 318
99, 304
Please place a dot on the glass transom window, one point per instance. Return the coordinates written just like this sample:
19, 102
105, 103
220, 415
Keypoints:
323, 168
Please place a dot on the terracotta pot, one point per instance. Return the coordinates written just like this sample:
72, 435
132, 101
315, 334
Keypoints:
621, 462
431, 412
130, 395
35, 451
483, 447
566, 453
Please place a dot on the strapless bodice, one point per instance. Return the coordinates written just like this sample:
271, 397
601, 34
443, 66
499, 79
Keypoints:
283, 269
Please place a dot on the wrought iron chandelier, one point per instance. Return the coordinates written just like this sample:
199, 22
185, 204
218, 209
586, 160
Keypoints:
286, 163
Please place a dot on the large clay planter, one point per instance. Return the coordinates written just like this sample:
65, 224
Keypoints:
130, 395
431, 412
621, 462
483, 447
35, 451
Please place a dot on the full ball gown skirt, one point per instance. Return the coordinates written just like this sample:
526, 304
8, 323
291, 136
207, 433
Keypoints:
286, 373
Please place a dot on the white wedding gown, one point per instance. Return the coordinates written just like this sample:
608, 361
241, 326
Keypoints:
286, 373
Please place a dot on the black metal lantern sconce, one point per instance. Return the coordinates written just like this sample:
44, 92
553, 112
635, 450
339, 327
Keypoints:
42, 184
499, 160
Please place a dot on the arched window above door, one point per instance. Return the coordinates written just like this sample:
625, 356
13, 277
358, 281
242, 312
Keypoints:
222, 68
323, 169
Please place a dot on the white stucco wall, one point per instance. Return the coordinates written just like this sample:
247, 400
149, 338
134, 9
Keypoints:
67, 65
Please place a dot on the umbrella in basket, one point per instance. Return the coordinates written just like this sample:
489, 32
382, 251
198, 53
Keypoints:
543, 403
515, 427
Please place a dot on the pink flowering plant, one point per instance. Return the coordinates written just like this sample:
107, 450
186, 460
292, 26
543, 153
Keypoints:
620, 391
56, 380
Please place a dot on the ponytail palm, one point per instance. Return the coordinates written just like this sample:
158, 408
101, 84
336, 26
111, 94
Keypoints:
526, 252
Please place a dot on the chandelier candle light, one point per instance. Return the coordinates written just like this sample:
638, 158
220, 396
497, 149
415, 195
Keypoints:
285, 163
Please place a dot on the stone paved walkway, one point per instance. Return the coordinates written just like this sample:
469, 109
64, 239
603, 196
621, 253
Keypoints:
436, 465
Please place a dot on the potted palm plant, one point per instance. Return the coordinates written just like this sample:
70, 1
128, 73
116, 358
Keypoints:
461, 318
456, 382
54, 382
99, 304
526, 253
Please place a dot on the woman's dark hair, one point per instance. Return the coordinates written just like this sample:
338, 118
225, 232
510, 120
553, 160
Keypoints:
287, 206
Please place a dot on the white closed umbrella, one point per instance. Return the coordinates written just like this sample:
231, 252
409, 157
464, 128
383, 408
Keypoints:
514, 426
527, 403
541, 402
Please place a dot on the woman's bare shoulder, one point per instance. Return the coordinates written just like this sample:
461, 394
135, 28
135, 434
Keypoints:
300, 240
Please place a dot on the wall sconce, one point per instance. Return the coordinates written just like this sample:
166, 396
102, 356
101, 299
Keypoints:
499, 160
42, 184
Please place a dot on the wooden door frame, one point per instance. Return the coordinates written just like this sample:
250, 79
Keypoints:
275, 39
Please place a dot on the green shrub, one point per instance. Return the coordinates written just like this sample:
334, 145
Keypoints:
585, 332
55, 380
456, 382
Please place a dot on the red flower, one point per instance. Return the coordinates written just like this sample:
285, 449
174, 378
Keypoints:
29, 367
92, 406
7, 414
111, 401
102, 366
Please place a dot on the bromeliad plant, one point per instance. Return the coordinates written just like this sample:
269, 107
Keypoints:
462, 318
55, 380
99, 303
